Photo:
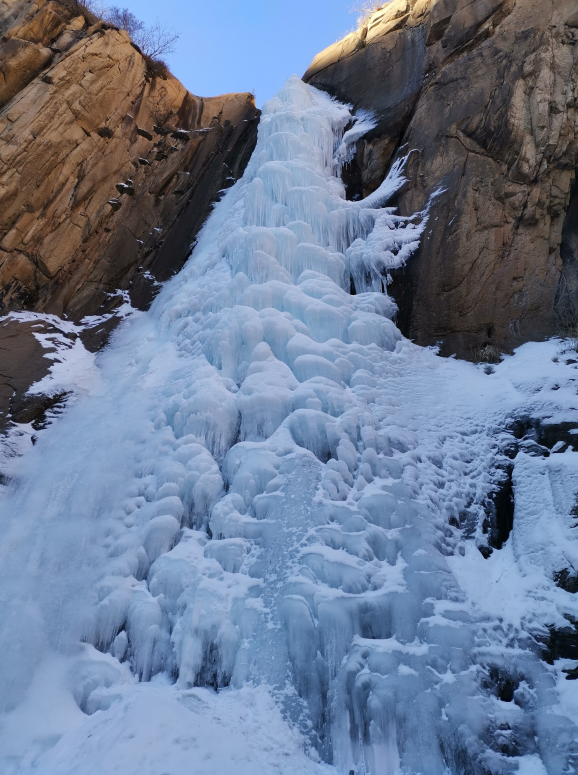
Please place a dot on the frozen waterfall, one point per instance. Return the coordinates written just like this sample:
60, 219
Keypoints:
239, 554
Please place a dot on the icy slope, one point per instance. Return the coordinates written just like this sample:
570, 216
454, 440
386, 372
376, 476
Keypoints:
275, 496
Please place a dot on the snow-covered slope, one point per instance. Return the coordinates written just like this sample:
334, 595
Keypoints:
255, 546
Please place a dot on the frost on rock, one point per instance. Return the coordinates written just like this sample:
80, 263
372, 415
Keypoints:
263, 498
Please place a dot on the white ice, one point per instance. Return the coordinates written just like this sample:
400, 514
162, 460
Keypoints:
239, 553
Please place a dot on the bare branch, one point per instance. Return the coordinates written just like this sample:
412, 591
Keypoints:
366, 9
157, 40
125, 20
97, 7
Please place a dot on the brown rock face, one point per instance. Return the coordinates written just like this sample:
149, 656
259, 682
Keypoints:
486, 91
108, 167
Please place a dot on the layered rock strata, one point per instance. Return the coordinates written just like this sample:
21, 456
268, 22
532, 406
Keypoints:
486, 94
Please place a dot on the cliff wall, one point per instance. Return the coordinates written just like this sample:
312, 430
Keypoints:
485, 92
108, 169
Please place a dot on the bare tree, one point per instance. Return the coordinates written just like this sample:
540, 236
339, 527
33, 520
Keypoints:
97, 7
366, 8
155, 40
125, 20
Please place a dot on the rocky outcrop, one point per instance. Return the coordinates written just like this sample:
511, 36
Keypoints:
485, 92
108, 169
108, 165
23, 362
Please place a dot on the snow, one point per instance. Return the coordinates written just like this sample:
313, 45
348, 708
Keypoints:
150, 730
74, 368
252, 545
362, 123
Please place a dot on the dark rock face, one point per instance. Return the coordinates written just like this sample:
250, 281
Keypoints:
486, 92
500, 510
22, 363
563, 642
107, 169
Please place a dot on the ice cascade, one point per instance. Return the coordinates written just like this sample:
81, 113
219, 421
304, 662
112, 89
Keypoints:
235, 509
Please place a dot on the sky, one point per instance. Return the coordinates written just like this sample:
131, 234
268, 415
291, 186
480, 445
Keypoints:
245, 45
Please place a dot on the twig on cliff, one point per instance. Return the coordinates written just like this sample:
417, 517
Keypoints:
366, 9
125, 20
96, 7
155, 40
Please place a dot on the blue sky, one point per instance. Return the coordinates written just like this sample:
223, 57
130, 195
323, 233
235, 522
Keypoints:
245, 45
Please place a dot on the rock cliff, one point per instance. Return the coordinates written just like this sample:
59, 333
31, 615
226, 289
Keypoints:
485, 93
108, 165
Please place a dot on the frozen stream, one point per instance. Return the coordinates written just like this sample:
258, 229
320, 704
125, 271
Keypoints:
252, 547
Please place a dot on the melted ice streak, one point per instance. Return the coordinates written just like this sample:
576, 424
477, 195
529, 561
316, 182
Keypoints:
258, 498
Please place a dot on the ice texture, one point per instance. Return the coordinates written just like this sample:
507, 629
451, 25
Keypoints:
239, 554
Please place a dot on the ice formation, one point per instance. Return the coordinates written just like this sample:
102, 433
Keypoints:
261, 497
